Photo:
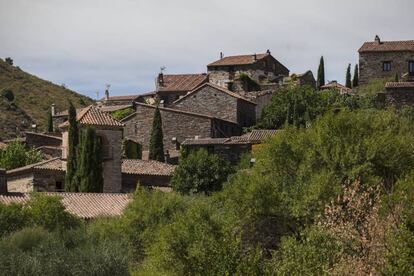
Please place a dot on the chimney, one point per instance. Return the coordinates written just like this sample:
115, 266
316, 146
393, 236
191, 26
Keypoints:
167, 156
221, 55
3, 182
161, 79
107, 94
255, 57
52, 110
268, 51
377, 39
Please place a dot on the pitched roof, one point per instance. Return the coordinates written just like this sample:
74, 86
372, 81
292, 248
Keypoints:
399, 85
83, 205
219, 88
336, 85
122, 98
238, 60
182, 82
387, 46
254, 137
176, 111
112, 108
91, 115
147, 167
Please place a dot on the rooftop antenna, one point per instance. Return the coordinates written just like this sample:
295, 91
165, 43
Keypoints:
162, 68
97, 94
107, 91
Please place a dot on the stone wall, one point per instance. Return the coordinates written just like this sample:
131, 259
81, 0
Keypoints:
398, 97
229, 152
20, 183
170, 96
371, 65
129, 181
48, 180
38, 139
211, 101
3, 181
175, 123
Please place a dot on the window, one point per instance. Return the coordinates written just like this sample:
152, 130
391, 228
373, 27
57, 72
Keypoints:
411, 67
59, 186
386, 66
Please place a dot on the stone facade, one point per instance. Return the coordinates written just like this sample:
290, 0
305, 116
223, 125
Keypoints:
177, 126
371, 65
34, 140
398, 94
262, 67
213, 101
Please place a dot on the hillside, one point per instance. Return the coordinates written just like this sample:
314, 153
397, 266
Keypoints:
32, 100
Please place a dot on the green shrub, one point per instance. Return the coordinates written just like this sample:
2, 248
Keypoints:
12, 218
123, 113
200, 172
8, 95
16, 155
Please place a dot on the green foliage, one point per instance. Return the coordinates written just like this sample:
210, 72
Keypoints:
200, 172
149, 212
16, 155
35, 251
8, 95
348, 82
71, 182
321, 74
49, 212
400, 255
293, 105
122, 113
355, 80
90, 169
156, 147
12, 218
313, 253
132, 150
50, 127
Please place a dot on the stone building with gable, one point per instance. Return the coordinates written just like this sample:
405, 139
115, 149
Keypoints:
177, 125
260, 68
386, 59
213, 100
170, 88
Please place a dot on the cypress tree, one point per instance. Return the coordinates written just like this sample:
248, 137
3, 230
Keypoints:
397, 79
348, 82
321, 73
156, 147
49, 122
355, 81
89, 170
73, 141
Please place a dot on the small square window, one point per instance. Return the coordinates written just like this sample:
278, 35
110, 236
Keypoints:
386, 66
411, 67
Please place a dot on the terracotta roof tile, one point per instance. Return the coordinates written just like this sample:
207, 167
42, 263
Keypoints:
219, 88
336, 85
237, 60
399, 85
387, 46
112, 108
91, 115
183, 82
147, 167
254, 137
83, 205
122, 98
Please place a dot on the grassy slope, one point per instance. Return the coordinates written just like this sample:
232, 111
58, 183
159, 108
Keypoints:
33, 98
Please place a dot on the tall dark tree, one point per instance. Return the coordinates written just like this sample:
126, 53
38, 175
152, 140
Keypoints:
348, 82
156, 147
49, 122
321, 73
89, 170
9, 60
397, 78
355, 80
71, 183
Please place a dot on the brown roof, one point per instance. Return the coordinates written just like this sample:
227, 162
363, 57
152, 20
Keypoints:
183, 82
91, 115
112, 108
122, 98
387, 46
147, 167
66, 112
336, 85
54, 164
83, 205
254, 137
399, 85
238, 60
219, 88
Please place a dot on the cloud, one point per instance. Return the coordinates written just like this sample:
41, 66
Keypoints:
86, 44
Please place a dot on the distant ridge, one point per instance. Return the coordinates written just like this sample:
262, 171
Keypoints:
32, 100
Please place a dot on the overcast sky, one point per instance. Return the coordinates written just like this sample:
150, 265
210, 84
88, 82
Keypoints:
88, 43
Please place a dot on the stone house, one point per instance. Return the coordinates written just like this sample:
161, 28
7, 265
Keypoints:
398, 94
233, 148
170, 88
386, 59
177, 125
216, 101
261, 68
334, 85
306, 78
